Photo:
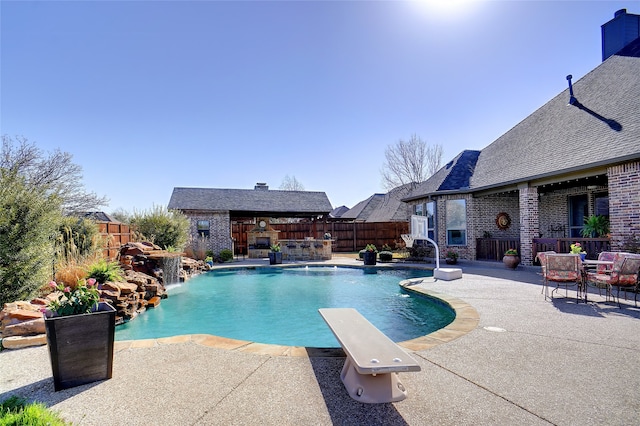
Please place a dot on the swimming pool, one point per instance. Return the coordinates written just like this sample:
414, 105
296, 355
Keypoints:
280, 306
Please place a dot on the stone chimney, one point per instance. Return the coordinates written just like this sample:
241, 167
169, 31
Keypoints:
261, 186
618, 32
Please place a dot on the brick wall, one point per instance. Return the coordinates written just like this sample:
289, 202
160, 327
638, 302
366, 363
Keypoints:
529, 223
553, 214
624, 202
487, 208
219, 229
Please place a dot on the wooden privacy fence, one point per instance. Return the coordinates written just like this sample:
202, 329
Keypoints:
114, 235
347, 237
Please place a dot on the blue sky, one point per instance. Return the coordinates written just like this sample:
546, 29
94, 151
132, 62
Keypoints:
150, 95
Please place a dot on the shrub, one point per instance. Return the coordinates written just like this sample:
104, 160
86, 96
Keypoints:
70, 272
77, 238
631, 244
226, 255
29, 216
385, 256
197, 248
103, 271
163, 227
595, 226
419, 252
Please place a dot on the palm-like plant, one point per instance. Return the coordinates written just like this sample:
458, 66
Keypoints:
595, 226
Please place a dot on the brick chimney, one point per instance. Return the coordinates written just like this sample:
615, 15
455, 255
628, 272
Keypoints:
618, 32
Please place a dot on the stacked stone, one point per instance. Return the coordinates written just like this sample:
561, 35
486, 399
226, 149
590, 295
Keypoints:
135, 257
132, 297
22, 322
143, 257
22, 325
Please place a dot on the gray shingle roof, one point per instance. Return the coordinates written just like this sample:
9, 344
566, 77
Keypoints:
338, 211
251, 202
97, 216
559, 138
602, 129
381, 208
454, 176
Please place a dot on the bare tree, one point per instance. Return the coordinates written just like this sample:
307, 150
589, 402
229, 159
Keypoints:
291, 184
55, 173
410, 162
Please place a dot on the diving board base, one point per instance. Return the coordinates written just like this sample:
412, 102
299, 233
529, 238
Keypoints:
447, 274
372, 388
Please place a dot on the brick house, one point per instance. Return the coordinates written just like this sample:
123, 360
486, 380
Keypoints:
211, 210
577, 155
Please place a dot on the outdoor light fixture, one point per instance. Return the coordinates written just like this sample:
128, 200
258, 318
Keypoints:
572, 99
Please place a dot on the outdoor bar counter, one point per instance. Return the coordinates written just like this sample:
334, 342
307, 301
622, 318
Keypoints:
306, 249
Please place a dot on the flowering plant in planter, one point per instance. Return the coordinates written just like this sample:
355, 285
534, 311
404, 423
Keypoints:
79, 299
511, 258
275, 247
80, 334
576, 248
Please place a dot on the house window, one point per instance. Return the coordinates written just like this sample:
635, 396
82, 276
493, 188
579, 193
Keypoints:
419, 209
456, 211
578, 210
601, 205
431, 219
203, 228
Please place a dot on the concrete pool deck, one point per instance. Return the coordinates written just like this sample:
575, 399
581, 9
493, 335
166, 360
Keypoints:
556, 362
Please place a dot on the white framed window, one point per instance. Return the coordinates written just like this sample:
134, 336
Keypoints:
456, 215
430, 212
203, 228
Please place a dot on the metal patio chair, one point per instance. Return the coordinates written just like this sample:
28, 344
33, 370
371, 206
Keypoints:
565, 270
624, 274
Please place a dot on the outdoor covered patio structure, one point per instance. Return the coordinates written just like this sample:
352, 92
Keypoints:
212, 211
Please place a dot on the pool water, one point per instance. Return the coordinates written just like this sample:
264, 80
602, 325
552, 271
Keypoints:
280, 306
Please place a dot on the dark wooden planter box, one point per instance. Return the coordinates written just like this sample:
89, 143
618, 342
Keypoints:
81, 347
275, 258
369, 257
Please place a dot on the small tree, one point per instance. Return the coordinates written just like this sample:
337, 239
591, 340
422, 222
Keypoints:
165, 228
54, 172
291, 184
410, 162
29, 221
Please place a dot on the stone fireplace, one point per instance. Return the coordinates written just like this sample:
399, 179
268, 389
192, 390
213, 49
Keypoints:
260, 239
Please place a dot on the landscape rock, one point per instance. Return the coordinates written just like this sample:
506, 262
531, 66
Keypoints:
35, 326
17, 342
22, 322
